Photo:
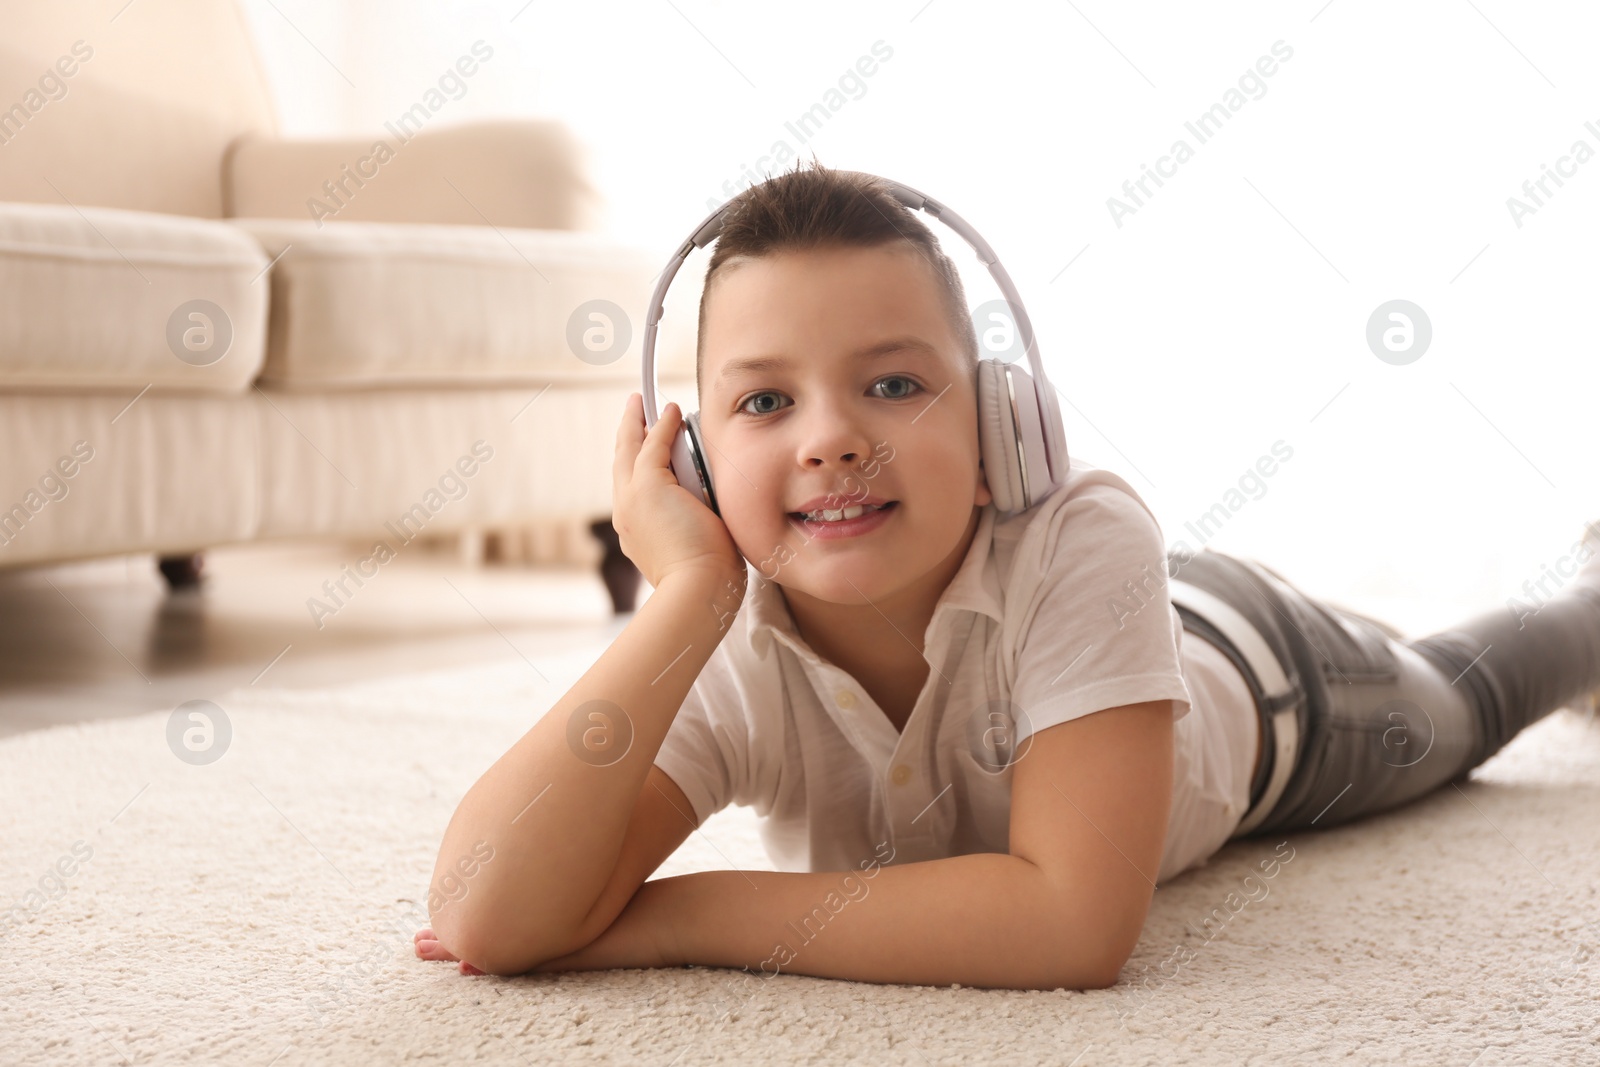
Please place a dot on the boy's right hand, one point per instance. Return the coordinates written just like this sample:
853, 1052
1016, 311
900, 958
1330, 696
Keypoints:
662, 527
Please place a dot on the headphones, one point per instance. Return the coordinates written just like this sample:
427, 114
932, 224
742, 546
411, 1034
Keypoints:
1021, 439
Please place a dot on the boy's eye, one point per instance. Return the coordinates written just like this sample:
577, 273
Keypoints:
910, 388
899, 378
756, 397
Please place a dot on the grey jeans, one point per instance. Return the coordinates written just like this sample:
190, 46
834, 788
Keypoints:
1384, 720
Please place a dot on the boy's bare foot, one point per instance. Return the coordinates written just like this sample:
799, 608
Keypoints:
428, 948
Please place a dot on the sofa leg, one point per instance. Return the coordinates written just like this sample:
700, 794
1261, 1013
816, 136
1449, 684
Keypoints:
182, 572
622, 578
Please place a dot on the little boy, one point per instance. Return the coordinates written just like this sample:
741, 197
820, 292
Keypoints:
977, 741
905, 694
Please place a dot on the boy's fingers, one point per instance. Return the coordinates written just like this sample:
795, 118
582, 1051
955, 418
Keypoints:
657, 448
630, 432
432, 950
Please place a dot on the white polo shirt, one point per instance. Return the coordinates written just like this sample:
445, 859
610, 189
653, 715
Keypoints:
1056, 612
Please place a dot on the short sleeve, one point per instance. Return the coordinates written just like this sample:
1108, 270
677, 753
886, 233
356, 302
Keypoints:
1099, 630
706, 749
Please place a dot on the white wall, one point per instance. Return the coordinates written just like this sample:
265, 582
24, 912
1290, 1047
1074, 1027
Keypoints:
1228, 311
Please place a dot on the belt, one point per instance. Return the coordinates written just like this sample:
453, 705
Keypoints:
1282, 698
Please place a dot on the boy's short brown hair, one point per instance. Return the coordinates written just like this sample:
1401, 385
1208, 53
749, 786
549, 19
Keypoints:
821, 208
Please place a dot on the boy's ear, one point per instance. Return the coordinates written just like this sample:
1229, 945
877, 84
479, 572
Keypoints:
984, 495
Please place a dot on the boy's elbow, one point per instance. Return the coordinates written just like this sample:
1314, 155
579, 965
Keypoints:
500, 960
487, 951
1097, 968
489, 942
1107, 976
1105, 967
1078, 978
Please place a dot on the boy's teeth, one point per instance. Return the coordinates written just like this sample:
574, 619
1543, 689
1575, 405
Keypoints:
854, 511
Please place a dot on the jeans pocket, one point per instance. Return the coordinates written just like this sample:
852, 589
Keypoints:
1352, 650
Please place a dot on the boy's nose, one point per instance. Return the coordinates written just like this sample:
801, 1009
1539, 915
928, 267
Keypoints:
847, 458
840, 446
835, 434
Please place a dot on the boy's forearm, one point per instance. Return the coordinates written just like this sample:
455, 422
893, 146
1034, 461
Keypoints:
554, 809
985, 919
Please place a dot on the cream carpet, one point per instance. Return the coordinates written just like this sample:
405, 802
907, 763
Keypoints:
259, 910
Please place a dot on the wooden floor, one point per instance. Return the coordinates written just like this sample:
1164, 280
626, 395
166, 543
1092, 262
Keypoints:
102, 639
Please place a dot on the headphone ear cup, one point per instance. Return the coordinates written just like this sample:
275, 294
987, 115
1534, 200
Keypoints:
688, 463
1056, 432
1029, 436
997, 437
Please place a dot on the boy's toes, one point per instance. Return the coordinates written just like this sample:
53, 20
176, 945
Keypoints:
467, 968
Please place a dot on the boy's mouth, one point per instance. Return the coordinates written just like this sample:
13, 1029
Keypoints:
844, 514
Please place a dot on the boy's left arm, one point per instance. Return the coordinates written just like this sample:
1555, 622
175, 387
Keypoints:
1064, 909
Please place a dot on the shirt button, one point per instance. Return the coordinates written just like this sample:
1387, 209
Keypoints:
901, 775
846, 699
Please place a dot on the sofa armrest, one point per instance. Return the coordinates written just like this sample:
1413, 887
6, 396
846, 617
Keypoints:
530, 174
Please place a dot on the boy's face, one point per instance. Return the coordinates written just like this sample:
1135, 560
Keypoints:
901, 425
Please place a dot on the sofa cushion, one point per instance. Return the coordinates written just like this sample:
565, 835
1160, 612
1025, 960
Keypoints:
527, 173
363, 304
101, 298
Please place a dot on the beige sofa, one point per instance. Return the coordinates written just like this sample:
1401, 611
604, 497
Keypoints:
210, 335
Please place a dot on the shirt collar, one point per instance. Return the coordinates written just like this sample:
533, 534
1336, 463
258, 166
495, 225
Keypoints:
975, 588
